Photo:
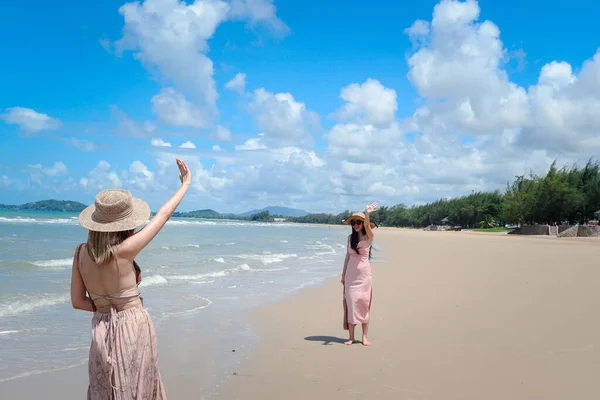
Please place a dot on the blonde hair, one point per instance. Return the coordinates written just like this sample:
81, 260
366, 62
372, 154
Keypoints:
102, 246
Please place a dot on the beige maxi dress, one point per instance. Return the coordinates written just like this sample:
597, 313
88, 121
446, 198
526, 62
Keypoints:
123, 362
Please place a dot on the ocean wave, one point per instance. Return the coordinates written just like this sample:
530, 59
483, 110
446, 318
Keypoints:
54, 264
220, 260
184, 223
153, 280
267, 258
205, 302
187, 246
27, 220
11, 332
17, 307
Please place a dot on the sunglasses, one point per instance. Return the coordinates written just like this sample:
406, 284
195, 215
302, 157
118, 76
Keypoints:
354, 223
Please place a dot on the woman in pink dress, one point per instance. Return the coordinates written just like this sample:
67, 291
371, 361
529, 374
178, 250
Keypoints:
123, 358
356, 277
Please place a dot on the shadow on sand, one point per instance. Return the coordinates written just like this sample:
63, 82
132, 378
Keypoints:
327, 340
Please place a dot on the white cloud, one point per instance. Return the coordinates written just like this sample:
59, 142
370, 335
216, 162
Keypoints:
216, 148
37, 172
28, 120
100, 178
172, 108
170, 37
257, 11
223, 134
128, 127
188, 145
251, 144
158, 142
237, 84
140, 176
84, 145
283, 120
458, 70
371, 101
564, 109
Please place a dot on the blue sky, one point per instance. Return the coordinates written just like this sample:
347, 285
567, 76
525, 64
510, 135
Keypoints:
90, 89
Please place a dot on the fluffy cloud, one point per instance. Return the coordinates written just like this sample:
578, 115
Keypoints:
251, 144
237, 84
564, 109
283, 120
128, 127
170, 37
223, 134
158, 142
457, 69
100, 178
84, 145
258, 11
172, 108
140, 176
188, 145
370, 101
28, 120
37, 172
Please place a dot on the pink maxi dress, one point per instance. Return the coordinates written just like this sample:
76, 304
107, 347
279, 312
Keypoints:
357, 285
123, 361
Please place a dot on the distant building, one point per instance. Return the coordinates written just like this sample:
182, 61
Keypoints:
279, 219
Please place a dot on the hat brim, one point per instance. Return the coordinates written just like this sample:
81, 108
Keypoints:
348, 220
138, 217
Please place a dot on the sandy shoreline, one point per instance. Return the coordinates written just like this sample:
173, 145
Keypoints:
456, 315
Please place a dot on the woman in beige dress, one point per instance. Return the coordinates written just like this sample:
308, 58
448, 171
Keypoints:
123, 363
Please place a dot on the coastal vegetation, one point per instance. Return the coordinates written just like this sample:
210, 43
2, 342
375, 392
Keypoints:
570, 194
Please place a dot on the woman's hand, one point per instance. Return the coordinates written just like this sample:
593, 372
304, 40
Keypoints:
370, 208
185, 176
342, 280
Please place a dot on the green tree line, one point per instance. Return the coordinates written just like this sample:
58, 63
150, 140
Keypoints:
570, 194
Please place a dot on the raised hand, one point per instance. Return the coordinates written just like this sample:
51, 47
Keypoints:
185, 176
370, 208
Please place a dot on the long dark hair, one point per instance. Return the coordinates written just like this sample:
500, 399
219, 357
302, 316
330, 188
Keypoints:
354, 240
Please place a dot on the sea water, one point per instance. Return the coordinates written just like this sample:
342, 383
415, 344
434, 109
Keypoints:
194, 268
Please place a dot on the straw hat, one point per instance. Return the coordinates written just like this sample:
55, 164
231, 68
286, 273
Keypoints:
115, 210
358, 216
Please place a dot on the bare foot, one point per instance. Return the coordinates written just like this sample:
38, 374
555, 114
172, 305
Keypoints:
349, 342
366, 342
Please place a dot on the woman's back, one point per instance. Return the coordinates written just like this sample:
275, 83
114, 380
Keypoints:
112, 283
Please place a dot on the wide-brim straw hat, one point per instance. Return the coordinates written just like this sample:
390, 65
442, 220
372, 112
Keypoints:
115, 210
360, 217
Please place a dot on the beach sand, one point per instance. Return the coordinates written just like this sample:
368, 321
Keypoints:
455, 315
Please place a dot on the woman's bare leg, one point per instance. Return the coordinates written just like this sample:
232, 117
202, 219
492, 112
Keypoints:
351, 331
365, 329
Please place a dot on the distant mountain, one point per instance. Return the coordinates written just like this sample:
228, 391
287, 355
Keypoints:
48, 205
274, 210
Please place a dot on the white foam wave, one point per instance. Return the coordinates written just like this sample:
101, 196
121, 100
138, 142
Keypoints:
153, 280
25, 306
267, 258
62, 262
220, 260
27, 220
283, 241
9, 332
194, 310
184, 223
269, 269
